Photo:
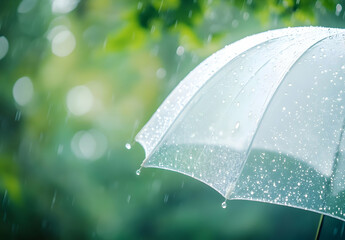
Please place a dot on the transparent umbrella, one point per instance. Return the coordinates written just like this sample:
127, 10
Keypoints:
261, 119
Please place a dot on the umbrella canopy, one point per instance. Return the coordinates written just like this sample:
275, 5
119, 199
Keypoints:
261, 119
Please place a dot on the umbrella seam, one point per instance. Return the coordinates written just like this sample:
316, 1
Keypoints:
335, 164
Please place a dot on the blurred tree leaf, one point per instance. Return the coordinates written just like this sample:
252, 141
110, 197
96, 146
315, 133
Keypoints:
9, 178
166, 5
130, 37
169, 12
188, 38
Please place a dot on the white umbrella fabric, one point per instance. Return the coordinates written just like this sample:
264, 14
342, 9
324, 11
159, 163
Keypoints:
262, 119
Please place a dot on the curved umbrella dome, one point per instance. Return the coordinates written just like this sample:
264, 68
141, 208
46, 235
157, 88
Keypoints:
262, 119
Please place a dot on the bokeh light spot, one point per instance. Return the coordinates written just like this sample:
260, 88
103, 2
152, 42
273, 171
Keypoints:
3, 47
23, 91
89, 145
161, 73
80, 100
26, 6
63, 43
180, 51
64, 6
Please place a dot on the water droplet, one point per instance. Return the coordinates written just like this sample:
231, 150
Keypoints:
237, 125
138, 172
128, 146
224, 204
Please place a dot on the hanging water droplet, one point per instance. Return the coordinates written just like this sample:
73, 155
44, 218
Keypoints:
224, 204
138, 172
128, 146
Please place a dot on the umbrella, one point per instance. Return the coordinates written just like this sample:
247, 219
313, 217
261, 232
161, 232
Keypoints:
262, 119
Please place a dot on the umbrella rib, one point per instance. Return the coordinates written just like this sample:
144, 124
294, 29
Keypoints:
270, 101
199, 90
251, 78
335, 164
203, 150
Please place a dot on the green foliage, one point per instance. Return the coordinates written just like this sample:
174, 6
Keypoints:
169, 12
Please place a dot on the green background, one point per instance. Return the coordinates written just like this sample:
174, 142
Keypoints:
130, 54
